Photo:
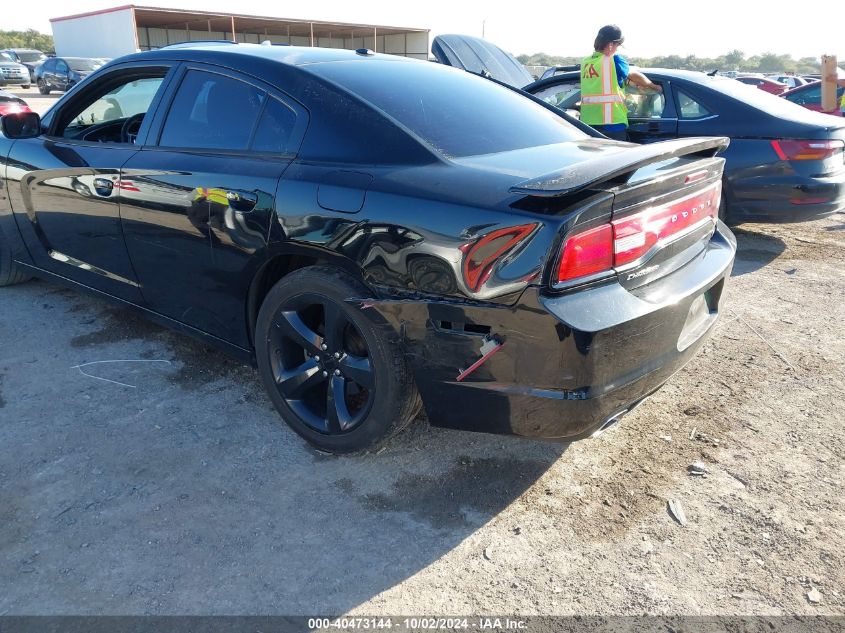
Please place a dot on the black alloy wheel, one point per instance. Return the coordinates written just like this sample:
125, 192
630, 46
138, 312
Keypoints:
337, 377
321, 364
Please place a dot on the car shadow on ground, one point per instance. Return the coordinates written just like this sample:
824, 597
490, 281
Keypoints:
754, 249
162, 481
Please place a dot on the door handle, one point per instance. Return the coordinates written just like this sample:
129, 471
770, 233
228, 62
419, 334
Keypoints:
242, 201
103, 186
654, 127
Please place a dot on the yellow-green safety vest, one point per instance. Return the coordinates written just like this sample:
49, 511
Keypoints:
602, 99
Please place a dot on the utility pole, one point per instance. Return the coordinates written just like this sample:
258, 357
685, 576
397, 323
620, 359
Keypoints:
483, 27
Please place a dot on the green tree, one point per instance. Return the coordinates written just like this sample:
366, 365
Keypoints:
734, 59
26, 39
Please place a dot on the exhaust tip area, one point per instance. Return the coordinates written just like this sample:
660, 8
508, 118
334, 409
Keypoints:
610, 423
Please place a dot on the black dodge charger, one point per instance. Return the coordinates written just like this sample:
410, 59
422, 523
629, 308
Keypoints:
376, 234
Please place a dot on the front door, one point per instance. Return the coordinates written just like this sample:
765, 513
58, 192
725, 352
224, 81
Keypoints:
651, 115
60, 78
197, 204
64, 185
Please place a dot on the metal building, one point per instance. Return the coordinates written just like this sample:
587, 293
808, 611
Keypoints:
126, 29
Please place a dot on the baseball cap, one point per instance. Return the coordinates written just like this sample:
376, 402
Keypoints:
607, 34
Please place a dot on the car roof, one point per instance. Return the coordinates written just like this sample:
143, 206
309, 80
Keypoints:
231, 52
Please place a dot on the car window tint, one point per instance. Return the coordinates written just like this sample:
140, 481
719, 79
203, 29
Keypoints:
689, 108
121, 102
61, 66
810, 95
455, 112
212, 111
274, 128
561, 96
644, 104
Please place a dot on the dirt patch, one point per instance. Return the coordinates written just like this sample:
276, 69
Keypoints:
447, 500
116, 325
198, 364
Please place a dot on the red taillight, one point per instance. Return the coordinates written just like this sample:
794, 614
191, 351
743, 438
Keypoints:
626, 240
635, 235
586, 253
480, 256
806, 150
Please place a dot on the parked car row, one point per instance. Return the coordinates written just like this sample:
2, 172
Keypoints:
24, 67
27, 57
62, 73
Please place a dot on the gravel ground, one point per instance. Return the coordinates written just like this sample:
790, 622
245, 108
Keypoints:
179, 491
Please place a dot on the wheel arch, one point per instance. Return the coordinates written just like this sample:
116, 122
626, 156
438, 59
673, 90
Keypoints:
281, 262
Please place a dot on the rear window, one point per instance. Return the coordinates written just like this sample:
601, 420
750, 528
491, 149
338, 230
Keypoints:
80, 64
31, 56
774, 105
455, 112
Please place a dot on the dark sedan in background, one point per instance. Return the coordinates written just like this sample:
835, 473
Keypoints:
62, 73
375, 232
784, 162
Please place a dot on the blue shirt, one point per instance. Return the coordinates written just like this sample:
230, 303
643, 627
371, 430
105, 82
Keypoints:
621, 69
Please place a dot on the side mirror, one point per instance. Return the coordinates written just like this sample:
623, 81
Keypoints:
21, 125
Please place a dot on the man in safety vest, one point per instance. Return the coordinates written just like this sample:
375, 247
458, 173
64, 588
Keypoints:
604, 75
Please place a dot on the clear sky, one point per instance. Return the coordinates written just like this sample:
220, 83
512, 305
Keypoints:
704, 29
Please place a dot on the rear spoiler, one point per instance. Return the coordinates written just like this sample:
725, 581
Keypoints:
609, 166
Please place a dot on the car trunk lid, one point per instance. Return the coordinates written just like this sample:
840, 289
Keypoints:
665, 203
481, 58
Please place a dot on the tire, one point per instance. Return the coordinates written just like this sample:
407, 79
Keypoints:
26, 87
10, 273
337, 377
42, 87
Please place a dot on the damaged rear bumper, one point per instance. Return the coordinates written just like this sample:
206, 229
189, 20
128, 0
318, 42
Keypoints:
559, 366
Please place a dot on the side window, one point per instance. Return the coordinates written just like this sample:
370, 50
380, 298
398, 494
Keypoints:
102, 117
561, 96
644, 104
61, 66
212, 111
274, 128
689, 108
811, 95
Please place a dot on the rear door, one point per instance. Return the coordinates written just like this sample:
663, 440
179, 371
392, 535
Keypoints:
197, 202
63, 185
